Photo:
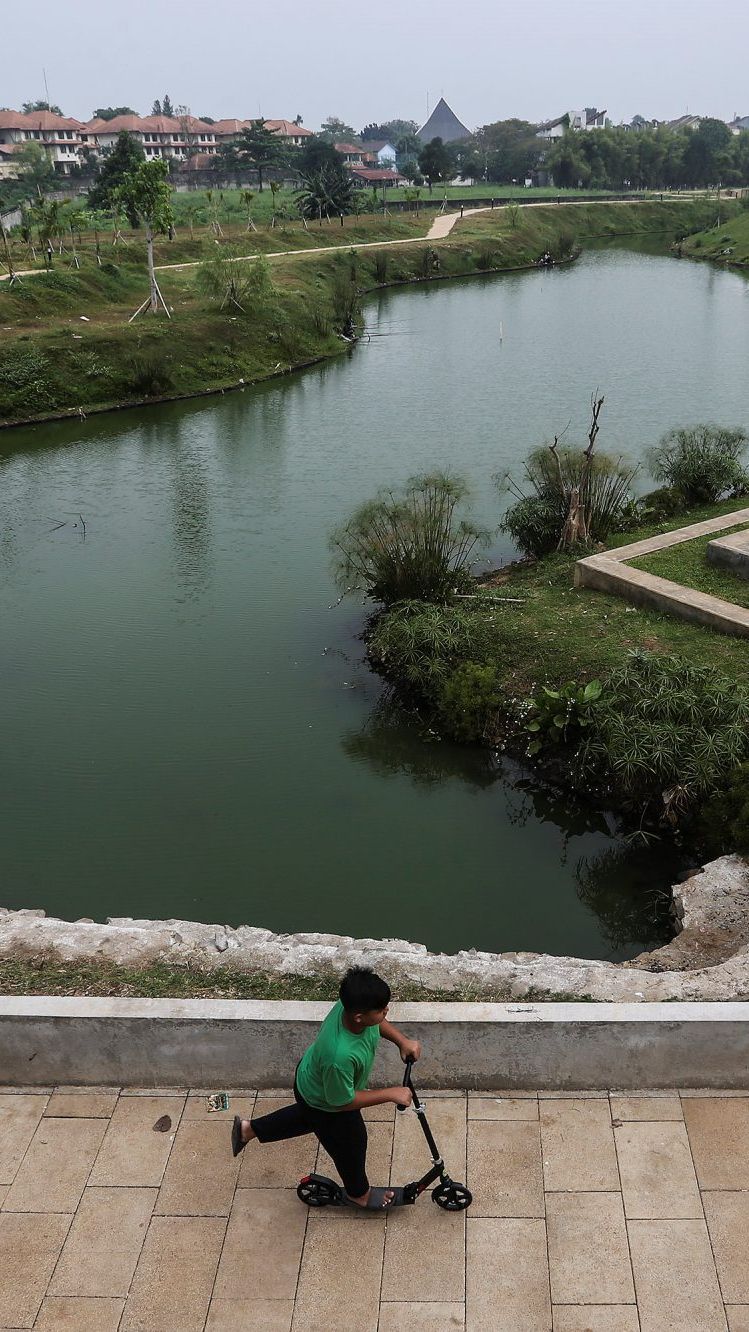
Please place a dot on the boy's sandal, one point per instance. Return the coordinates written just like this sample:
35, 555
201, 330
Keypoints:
237, 1143
376, 1201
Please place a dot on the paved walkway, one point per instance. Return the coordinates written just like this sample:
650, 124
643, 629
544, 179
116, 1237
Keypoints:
591, 1214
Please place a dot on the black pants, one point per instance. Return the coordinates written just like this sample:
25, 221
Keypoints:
342, 1133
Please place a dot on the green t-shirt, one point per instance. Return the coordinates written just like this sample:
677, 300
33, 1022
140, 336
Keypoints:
338, 1064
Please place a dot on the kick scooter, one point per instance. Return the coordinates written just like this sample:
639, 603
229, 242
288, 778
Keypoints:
319, 1191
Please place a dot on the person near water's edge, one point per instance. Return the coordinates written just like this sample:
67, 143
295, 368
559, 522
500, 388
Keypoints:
330, 1087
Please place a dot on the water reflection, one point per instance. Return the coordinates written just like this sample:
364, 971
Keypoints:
624, 883
627, 888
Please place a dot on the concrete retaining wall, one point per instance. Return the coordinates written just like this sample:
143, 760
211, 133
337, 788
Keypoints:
214, 1044
609, 572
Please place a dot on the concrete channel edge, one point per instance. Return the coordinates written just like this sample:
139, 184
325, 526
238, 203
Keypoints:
47, 1041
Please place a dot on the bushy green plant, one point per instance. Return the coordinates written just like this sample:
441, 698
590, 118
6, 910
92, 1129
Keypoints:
25, 380
422, 643
556, 715
663, 503
147, 374
468, 700
536, 520
664, 732
702, 462
409, 544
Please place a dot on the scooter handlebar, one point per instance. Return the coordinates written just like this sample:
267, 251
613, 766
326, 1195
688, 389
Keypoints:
407, 1077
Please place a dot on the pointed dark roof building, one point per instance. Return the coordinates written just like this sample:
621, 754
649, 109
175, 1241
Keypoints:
443, 124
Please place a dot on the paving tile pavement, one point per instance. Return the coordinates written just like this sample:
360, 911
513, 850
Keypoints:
592, 1213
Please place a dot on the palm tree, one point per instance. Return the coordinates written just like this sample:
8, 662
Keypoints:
325, 192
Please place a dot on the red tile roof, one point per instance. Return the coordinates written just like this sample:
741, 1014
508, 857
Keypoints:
37, 120
376, 175
287, 128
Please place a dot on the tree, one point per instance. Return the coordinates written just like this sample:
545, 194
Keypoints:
507, 149
35, 166
120, 163
326, 192
392, 130
29, 108
335, 130
435, 162
146, 194
156, 108
111, 112
704, 154
166, 106
260, 147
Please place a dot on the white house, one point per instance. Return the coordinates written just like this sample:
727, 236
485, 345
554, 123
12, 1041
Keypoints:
589, 119
59, 136
158, 136
384, 152
739, 124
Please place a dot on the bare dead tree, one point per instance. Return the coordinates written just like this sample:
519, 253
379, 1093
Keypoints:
577, 523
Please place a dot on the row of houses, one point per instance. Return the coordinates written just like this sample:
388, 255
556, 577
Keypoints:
68, 142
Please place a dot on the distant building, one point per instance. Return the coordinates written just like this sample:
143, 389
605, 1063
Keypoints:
383, 151
443, 124
59, 136
159, 136
684, 122
739, 124
553, 129
377, 176
589, 119
354, 154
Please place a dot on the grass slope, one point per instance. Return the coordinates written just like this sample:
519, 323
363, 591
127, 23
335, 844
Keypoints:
727, 241
53, 362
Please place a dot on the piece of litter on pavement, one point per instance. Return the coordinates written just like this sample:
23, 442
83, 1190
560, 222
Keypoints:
217, 1101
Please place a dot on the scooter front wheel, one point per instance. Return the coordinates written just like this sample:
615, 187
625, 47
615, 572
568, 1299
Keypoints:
452, 1197
318, 1191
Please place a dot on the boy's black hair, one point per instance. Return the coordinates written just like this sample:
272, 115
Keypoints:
362, 991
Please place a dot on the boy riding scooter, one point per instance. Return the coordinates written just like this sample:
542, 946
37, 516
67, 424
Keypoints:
330, 1087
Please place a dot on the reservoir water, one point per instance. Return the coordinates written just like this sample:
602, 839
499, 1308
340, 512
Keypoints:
187, 728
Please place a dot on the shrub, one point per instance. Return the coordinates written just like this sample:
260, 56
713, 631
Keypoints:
535, 522
409, 545
665, 732
558, 715
663, 503
702, 462
422, 644
26, 381
147, 374
469, 700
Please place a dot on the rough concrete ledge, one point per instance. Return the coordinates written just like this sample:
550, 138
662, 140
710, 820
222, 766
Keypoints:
731, 552
708, 959
229, 1043
609, 572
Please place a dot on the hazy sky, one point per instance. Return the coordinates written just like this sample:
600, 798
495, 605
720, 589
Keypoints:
375, 61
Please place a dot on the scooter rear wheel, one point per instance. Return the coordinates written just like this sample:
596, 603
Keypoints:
317, 1192
452, 1197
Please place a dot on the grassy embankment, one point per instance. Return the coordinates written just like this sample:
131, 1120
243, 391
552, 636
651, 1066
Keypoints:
687, 565
54, 363
727, 243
